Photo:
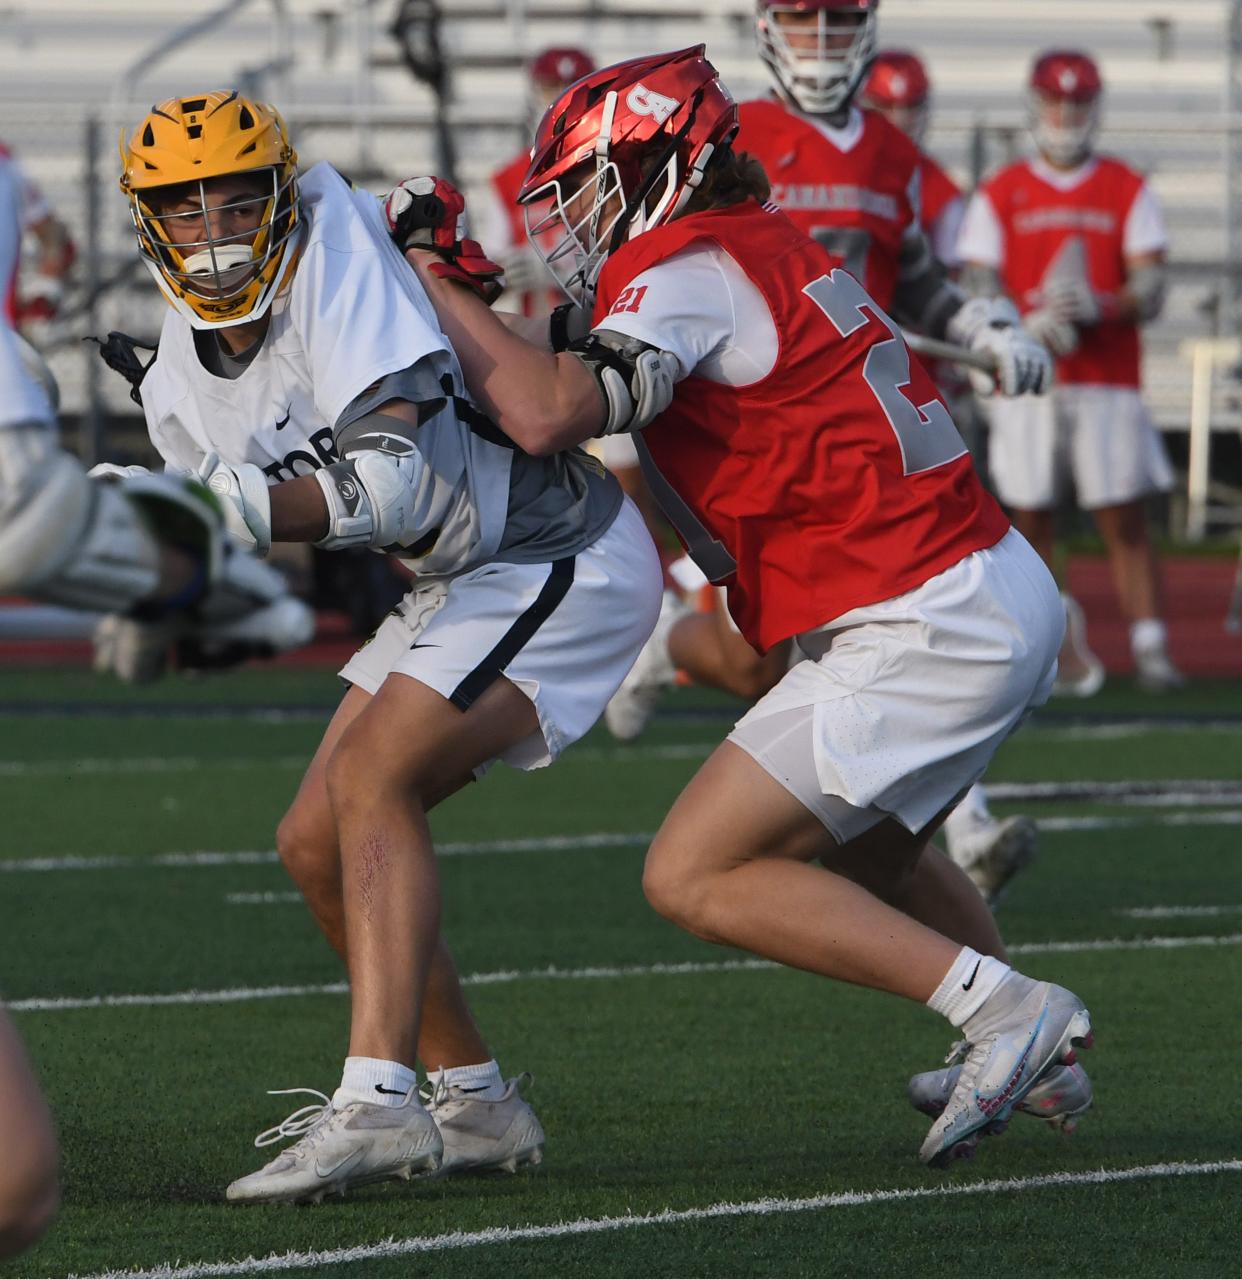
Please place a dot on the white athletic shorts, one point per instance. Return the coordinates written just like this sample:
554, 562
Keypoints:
566, 633
900, 705
1101, 437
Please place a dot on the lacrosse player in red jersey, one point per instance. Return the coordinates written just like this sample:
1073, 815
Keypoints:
852, 181
811, 468
1078, 241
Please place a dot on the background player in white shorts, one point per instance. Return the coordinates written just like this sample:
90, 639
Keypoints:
792, 459
1077, 240
301, 372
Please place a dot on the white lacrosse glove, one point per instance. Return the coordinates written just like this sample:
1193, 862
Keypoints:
244, 500
524, 271
114, 471
1073, 301
632, 405
1059, 336
990, 326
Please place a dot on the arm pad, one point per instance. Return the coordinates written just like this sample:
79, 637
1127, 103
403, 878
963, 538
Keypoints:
636, 379
925, 298
1146, 285
371, 500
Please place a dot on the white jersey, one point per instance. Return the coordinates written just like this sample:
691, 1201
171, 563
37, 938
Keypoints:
353, 313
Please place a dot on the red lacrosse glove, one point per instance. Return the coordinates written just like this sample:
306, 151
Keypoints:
425, 213
429, 213
473, 268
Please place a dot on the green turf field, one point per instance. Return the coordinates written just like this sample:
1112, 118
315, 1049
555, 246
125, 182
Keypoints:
667, 1093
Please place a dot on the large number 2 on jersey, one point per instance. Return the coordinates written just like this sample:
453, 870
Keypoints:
925, 433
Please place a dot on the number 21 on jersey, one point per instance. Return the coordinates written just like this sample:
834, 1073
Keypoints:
925, 433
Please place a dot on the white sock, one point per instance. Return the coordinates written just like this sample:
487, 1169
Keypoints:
970, 813
381, 1083
1148, 635
484, 1080
971, 979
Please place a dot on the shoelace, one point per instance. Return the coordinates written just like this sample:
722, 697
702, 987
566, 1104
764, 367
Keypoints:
433, 1092
957, 1053
301, 1122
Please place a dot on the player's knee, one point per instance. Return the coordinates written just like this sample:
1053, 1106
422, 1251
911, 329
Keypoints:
680, 898
28, 1208
306, 851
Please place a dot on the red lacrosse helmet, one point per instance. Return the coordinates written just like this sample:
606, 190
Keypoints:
818, 51
1065, 89
899, 88
620, 152
561, 66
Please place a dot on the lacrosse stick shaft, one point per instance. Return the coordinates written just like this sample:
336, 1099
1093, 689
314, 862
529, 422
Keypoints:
935, 349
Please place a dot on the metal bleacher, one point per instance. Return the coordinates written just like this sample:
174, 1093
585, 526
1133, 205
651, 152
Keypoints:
337, 73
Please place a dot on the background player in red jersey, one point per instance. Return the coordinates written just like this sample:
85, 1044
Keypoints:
1077, 240
900, 90
497, 217
810, 466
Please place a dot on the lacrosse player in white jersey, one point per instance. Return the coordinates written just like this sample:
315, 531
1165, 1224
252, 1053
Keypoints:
301, 372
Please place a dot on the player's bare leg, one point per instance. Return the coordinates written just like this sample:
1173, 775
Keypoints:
1079, 671
715, 655
936, 892
1136, 576
732, 864
29, 1190
307, 842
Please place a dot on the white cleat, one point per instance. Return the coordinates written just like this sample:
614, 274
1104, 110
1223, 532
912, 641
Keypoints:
634, 703
338, 1149
1079, 672
992, 852
1156, 672
481, 1135
1003, 1065
1060, 1097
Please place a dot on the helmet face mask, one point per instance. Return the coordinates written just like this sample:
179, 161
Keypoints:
1064, 106
620, 152
212, 187
818, 51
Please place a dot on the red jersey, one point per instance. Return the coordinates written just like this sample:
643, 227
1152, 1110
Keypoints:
836, 480
858, 203
1038, 221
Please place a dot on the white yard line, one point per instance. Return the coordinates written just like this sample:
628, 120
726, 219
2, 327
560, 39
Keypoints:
1178, 912
459, 1239
561, 843
241, 994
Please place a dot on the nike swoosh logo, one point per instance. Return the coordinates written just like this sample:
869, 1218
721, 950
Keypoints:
966, 985
390, 1092
990, 1105
412, 647
354, 1157
284, 421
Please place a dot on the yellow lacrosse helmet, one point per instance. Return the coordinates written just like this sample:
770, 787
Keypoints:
222, 262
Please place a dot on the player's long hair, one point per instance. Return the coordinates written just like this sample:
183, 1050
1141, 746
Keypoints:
730, 178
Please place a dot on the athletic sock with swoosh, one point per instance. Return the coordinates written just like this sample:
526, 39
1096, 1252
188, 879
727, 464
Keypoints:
971, 981
369, 1079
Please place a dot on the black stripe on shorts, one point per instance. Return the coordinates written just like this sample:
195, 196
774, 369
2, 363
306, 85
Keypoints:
516, 637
